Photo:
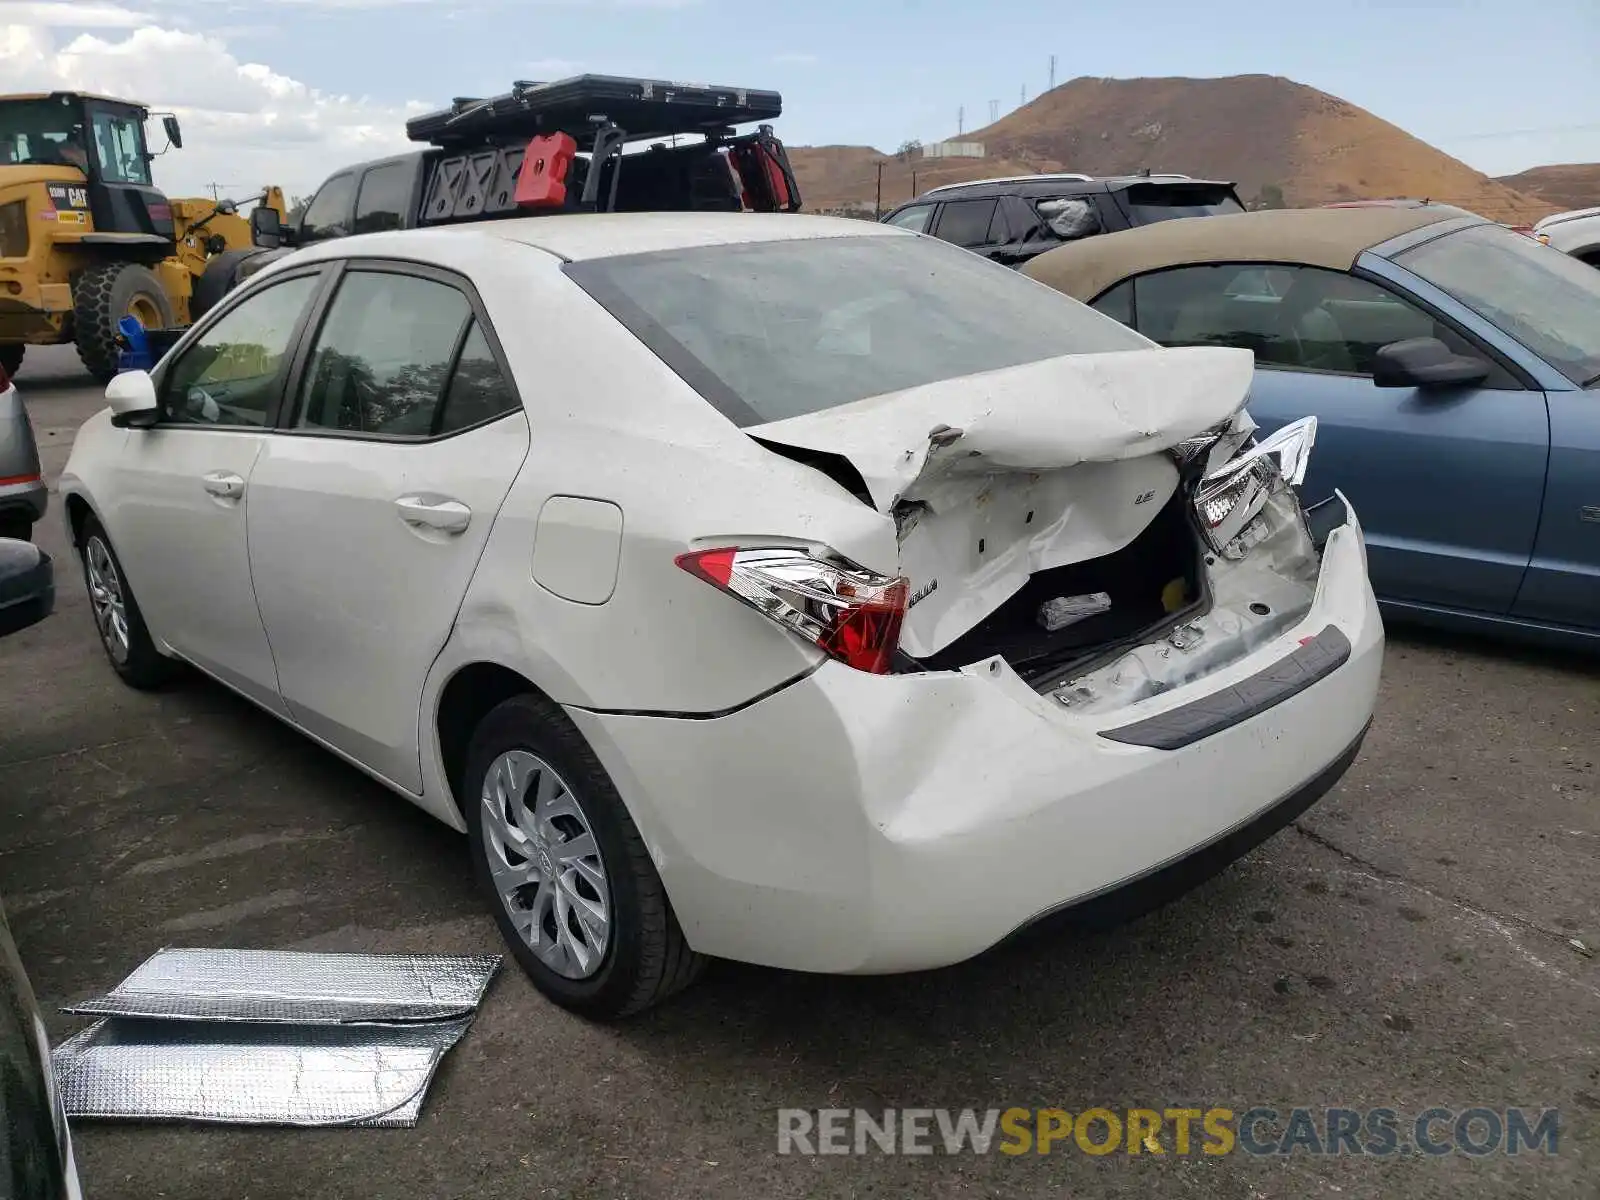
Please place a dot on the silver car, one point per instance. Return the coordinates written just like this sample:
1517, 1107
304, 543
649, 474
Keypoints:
23, 496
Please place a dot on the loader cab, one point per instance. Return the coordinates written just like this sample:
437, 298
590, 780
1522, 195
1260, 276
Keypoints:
103, 139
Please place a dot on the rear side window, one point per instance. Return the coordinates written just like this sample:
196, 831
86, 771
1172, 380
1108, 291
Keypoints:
1151, 202
769, 330
385, 196
383, 355
329, 214
965, 222
478, 390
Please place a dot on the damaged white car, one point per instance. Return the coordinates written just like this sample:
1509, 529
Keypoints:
785, 589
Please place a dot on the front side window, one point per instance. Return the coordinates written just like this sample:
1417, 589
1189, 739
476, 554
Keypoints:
119, 146
1302, 318
383, 355
965, 222
914, 219
329, 213
769, 330
385, 197
1545, 299
232, 373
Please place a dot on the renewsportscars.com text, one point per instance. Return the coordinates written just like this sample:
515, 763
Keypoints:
1378, 1132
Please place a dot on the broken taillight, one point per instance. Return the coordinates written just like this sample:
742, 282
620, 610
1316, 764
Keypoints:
1229, 498
852, 613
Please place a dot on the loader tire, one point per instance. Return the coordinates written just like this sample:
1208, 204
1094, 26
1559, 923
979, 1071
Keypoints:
11, 357
219, 278
102, 296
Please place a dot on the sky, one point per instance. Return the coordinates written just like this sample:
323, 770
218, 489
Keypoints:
285, 91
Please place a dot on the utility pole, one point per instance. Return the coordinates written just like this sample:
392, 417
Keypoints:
1024, 93
877, 205
1052, 72
961, 120
994, 111
913, 183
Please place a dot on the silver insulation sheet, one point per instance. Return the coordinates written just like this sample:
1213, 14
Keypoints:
252, 1074
270, 1037
297, 987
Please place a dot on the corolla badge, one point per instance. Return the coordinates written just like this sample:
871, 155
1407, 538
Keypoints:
922, 593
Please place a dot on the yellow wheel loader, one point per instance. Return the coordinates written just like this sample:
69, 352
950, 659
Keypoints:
85, 237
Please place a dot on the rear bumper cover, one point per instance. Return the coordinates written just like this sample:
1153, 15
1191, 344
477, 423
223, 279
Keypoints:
857, 823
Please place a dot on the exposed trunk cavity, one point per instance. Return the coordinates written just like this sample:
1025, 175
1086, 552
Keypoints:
1152, 583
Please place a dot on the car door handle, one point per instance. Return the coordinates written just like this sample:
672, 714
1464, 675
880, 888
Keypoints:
223, 483
451, 516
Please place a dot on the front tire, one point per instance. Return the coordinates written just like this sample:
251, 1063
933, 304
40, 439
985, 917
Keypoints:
101, 297
117, 618
11, 357
564, 870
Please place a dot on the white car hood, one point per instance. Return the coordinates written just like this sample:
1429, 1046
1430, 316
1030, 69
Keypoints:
1021, 470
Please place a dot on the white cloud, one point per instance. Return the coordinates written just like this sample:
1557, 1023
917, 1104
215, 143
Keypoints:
84, 16
244, 124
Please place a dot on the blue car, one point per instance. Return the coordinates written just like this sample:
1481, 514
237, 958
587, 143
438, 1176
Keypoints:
1452, 364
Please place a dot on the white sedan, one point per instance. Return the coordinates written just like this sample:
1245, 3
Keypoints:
786, 589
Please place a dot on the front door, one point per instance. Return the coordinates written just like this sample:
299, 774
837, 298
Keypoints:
1448, 484
183, 494
371, 506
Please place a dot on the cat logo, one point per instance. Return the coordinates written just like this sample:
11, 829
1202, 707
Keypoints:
68, 197
1144, 497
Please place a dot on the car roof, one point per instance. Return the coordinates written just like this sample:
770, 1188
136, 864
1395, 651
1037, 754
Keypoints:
1561, 218
1055, 185
1322, 237
580, 236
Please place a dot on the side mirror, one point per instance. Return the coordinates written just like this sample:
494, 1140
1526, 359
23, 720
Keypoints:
132, 396
169, 126
266, 227
27, 585
1425, 362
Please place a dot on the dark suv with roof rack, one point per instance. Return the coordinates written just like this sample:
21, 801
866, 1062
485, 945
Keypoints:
544, 148
1017, 218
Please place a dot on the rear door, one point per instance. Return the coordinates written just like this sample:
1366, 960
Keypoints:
1448, 484
373, 501
968, 223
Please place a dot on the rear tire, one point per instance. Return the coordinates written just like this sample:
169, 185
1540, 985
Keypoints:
102, 296
568, 795
118, 621
11, 357
16, 525
217, 280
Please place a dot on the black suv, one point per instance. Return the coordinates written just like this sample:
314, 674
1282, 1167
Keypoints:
543, 148
1014, 219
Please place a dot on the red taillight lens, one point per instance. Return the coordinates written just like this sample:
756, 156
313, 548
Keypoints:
852, 613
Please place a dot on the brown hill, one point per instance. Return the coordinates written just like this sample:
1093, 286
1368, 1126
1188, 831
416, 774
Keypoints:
1567, 185
1258, 130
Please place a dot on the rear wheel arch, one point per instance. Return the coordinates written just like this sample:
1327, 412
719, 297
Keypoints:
469, 695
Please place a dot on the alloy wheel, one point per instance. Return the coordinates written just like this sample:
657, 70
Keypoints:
546, 864
106, 599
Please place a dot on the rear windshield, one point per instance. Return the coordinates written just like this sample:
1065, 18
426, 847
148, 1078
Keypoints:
1151, 202
769, 330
